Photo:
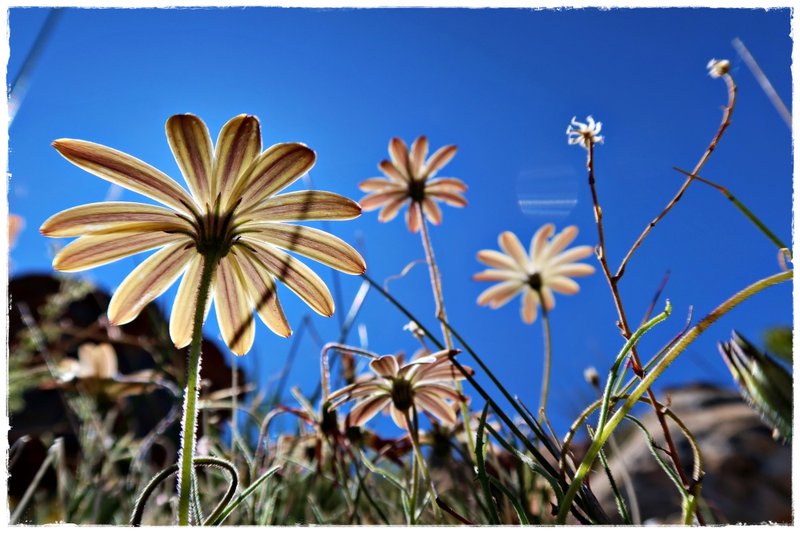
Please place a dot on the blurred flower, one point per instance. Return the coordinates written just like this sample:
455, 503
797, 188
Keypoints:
96, 372
15, 225
424, 383
762, 382
584, 134
232, 215
591, 376
536, 275
718, 67
408, 180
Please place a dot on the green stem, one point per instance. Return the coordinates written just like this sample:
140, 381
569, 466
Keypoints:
604, 433
436, 284
413, 429
547, 359
189, 421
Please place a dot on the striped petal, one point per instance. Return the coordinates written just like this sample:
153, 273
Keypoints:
539, 243
442, 373
375, 200
496, 259
398, 151
419, 151
238, 144
513, 248
446, 184
355, 391
385, 366
390, 209
305, 205
398, 417
124, 170
435, 406
412, 217
450, 198
274, 170
181, 320
234, 314
498, 295
95, 250
110, 217
432, 211
191, 145
379, 184
148, 281
294, 274
439, 159
262, 292
395, 174
363, 411
309, 242
530, 301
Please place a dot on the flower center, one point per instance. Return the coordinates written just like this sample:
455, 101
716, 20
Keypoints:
416, 190
214, 232
535, 281
402, 394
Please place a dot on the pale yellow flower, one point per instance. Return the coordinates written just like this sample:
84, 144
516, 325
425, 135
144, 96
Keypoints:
584, 134
546, 268
233, 215
718, 67
410, 179
424, 383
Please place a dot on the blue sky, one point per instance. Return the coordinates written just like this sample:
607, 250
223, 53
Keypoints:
501, 84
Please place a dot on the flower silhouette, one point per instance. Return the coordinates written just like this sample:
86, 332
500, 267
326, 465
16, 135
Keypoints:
232, 215
548, 267
409, 179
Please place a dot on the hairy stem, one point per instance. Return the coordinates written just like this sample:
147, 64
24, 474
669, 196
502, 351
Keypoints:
189, 420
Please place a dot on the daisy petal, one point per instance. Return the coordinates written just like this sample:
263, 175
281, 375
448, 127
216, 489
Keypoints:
110, 217
274, 170
450, 198
378, 184
95, 250
412, 217
305, 205
439, 159
498, 295
234, 314
548, 300
539, 242
148, 281
385, 366
511, 246
124, 170
395, 174
435, 406
294, 274
563, 285
191, 145
390, 209
419, 151
499, 275
181, 320
262, 292
571, 270
398, 417
452, 184
398, 151
441, 390
571, 255
496, 259
309, 242
529, 303
562, 240
238, 144
363, 411
375, 200
432, 211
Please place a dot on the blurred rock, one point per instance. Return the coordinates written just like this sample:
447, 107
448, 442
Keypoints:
748, 475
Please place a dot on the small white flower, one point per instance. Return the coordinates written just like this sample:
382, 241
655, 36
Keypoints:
583, 134
718, 67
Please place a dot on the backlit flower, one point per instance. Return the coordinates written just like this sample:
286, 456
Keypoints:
233, 215
410, 179
718, 67
584, 134
547, 268
424, 383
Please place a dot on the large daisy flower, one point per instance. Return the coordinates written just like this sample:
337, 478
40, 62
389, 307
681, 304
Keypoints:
231, 215
425, 383
537, 274
410, 179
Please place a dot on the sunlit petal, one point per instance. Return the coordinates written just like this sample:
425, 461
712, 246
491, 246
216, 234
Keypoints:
262, 291
398, 151
366, 409
496, 259
530, 300
439, 159
419, 151
181, 319
111, 217
148, 281
539, 242
232, 305
126, 171
432, 211
498, 295
238, 144
305, 205
274, 170
435, 406
191, 145
510, 244
563, 285
94, 250
385, 366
